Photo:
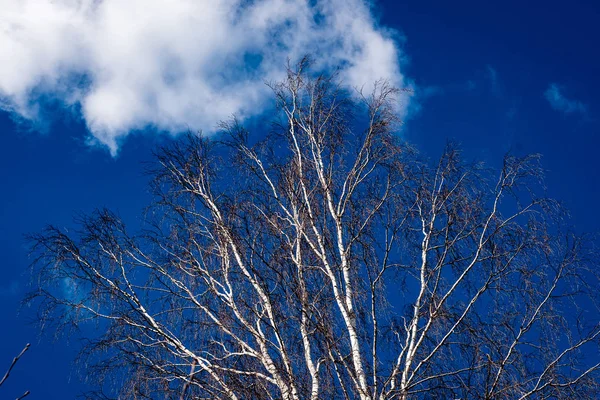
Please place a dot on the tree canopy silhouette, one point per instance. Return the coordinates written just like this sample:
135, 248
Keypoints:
328, 260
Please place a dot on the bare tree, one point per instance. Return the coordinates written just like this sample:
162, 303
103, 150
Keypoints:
10, 368
328, 261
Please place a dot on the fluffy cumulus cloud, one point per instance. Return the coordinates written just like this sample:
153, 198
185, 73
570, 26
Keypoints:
559, 102
173, 65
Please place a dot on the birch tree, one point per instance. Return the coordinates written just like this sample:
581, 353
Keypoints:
328, 260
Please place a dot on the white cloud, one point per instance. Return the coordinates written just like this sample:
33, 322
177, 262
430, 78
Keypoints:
177, 64
561, 103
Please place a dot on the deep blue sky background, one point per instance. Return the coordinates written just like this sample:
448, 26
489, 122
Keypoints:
481, 69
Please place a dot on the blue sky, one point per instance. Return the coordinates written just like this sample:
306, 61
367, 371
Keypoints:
81, 109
